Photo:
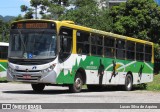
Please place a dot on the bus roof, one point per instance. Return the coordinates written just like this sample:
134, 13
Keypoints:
4, 44
74, 26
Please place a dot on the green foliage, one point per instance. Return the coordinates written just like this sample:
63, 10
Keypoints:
155, 85
53, 8
87, 13
137, 18
4, 31
19, 17
157, 51
1, 29
3, 79
24, 8
28, 12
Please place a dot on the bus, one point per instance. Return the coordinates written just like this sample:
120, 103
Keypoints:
48, 52
3, 58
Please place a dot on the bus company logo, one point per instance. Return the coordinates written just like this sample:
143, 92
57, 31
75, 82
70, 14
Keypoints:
34, 68
6, 106
91, 63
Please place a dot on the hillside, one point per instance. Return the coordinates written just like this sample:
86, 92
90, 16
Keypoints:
6, 18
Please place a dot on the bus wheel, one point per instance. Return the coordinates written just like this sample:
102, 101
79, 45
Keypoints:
38, 87
77, 86
128, 82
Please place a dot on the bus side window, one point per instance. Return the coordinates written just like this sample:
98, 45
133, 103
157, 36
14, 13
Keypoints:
130, 50
83, 42
148, 53
97, 45
139, 52
120, 48
109, 49
3, 52
66, 35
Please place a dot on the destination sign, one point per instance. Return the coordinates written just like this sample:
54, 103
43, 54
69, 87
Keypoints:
36, 25
32, 25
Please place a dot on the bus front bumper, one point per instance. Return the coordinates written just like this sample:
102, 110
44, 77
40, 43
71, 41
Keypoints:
32, 77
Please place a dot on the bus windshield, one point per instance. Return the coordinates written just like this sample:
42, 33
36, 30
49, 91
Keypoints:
32, 44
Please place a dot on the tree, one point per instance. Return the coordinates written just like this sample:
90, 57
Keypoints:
1, 29
28, 12
137, 18
35, 4
19, 17
53, 8
4, 31
88, 13
24, 8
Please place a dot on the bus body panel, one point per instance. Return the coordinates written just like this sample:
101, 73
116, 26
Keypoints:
115, 70
3, 58
91, 64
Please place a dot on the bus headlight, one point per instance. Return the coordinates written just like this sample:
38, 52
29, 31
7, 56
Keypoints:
48, 69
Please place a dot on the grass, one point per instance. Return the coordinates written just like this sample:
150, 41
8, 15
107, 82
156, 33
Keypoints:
3, 79
155, 85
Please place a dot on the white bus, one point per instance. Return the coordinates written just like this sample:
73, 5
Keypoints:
3, 58
47, 52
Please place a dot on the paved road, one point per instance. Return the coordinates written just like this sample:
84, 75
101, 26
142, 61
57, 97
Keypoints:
22, 93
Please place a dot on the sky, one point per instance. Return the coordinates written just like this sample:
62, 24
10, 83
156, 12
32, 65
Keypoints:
157, 1
12, 7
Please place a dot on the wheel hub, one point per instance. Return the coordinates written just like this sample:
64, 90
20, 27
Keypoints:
129, 82
78, 83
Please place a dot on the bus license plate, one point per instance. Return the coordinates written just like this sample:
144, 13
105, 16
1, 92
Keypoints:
27, 76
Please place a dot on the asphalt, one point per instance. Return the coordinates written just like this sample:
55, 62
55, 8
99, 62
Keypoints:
22, 93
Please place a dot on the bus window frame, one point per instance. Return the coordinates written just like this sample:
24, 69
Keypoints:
60, 49
77, 42
105, 46
2, 52
124, 49
146, 53
95, 35
134, 50
140, 52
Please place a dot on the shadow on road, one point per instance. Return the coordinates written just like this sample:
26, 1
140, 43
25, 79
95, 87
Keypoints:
45, 92
66, 91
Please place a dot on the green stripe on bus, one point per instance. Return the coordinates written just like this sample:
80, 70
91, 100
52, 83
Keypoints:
3, 66
93, 63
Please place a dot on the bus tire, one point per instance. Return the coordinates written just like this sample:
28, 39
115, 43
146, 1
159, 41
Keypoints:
76, 87
128, 82
38, 87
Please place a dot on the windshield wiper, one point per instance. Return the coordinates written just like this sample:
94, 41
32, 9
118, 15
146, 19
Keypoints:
22, 40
